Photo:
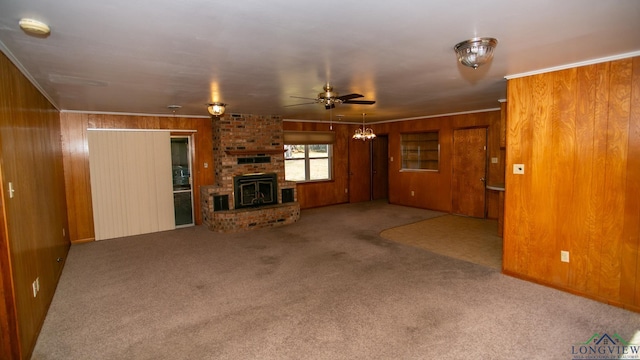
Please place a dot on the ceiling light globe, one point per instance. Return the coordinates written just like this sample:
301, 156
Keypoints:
476, 51
216, 109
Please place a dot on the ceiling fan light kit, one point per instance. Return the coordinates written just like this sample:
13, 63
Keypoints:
216, 108
476, 51
330, 98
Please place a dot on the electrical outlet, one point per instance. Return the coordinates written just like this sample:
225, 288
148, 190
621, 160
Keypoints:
564, 256
494, 160
413, 193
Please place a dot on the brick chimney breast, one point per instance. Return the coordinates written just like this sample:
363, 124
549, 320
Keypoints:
246, 144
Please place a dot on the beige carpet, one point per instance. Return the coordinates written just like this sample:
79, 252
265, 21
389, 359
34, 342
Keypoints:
459, 237
326, 287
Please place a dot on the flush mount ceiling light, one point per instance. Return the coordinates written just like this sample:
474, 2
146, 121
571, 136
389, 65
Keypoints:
216, 108
174, 108
475, 52
34, 27
365, 133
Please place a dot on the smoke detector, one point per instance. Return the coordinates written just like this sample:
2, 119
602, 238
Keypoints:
34, 27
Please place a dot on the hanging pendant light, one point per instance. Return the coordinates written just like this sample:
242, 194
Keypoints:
331, 119
340, 116
364, 133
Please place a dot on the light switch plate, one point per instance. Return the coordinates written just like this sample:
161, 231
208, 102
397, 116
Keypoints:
494, 160
518, 169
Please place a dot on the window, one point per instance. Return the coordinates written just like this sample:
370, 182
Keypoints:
420, 151
308, 155
308, 162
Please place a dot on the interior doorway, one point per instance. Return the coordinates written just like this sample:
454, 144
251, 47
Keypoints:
469, 172
182, 182
359, 171
380, 167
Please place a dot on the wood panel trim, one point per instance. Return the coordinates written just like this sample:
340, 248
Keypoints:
573, 291
83, 241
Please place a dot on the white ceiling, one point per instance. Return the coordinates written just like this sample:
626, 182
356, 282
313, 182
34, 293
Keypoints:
141, 56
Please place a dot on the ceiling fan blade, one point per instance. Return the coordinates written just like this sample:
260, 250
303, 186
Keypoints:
309, 103
349, 97
302, 97
361, 102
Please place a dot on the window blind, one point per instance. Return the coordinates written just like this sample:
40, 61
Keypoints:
131, 182
309, 137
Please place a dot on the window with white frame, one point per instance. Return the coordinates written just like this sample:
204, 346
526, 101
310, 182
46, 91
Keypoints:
308, 156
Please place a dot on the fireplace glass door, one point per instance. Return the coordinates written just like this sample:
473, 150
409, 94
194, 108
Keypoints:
182, 189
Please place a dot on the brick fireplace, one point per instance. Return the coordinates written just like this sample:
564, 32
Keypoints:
250, 191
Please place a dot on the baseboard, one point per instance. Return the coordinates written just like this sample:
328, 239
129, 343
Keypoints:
615, 303
82, 241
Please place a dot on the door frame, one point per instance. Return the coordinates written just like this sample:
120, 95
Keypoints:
359, 171
191, 155
384, 158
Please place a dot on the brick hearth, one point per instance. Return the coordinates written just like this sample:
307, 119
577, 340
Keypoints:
247, 144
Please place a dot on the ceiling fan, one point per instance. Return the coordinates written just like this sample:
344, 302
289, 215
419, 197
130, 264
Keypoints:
330, 98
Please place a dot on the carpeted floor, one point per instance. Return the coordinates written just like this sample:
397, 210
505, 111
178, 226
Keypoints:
464, 238
327, 287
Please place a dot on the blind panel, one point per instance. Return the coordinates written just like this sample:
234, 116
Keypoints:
309, 137
131, 184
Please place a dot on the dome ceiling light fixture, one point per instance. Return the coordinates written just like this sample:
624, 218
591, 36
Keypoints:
174, 108
34, 27
476, 51
216, 108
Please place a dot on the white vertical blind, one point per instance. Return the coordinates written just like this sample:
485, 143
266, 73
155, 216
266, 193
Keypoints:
131, 182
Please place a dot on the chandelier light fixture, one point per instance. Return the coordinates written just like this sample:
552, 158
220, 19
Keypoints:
365, 133
476, 51
216, 108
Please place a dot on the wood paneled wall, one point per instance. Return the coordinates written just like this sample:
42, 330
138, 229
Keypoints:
76, 159
577, 132
34, 236
315, 194
433, 189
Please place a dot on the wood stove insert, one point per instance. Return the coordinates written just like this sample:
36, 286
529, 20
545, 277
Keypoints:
254, 190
